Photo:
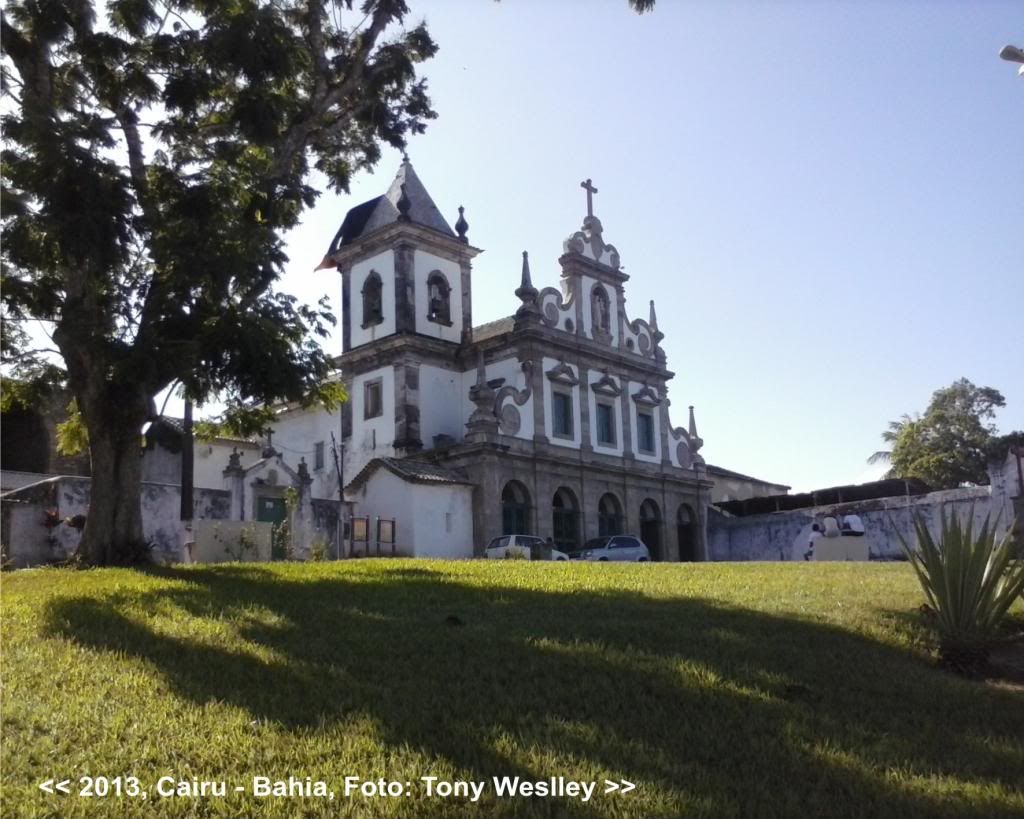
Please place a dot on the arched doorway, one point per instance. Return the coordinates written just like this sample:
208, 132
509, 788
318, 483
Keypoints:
686, 531
609, 516
650, 528
515, 509
565, 519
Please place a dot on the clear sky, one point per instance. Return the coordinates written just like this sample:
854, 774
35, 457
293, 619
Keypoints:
824, 199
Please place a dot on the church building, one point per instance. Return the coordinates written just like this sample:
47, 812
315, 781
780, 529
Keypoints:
554, 421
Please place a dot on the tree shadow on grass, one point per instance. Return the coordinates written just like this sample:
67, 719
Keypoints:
723, 711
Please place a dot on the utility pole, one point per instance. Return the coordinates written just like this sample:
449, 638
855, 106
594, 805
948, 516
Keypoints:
341, 495
187, 465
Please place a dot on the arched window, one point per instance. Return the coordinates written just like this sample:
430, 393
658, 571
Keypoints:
515, 509
686, 533
609, 516
373, 312
650, 527
438, 299
600, 310
565, 519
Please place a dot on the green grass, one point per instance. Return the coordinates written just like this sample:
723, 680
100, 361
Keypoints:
719, 689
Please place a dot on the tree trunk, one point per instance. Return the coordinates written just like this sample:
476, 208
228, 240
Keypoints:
113, 533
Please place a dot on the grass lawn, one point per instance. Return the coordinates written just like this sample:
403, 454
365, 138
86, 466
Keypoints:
718, 689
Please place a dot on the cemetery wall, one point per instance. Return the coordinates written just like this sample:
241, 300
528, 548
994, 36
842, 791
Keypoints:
778, 535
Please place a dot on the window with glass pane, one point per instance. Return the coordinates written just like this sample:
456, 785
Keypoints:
372, 407
645, 431
606, 424
318, 455
561, 405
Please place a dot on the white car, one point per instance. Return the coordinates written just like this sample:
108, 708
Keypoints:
523, 547
617, 547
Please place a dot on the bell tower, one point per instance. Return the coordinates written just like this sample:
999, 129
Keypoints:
406, 295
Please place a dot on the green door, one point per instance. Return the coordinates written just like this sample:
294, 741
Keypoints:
271, 510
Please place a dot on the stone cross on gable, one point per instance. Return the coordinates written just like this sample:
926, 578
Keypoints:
588, 186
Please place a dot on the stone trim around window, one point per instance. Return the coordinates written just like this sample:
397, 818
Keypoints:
377, 405
640, 448
646, 396
439, 310
562, 373
373, 300
606, 385
610, 405
555, 433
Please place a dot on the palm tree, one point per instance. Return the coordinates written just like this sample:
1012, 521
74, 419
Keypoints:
891, 436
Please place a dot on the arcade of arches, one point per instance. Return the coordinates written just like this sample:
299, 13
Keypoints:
517, 515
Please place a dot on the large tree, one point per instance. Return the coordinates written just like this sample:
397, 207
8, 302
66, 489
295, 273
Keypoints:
152, 162
949, 445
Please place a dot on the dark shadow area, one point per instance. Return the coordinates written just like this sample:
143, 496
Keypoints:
754, 714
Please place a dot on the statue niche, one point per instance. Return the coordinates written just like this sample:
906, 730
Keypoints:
600, 314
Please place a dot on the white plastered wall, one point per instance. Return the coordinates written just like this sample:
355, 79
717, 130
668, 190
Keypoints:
430, 521
211, 459
384, 265
423, 265
371, 437
296, 433
442, 404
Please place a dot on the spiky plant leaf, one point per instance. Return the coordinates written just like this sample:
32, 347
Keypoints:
970, 580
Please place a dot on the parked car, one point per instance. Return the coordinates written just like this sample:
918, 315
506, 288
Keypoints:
522, 547
617, 547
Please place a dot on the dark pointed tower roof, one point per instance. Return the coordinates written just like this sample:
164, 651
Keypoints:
383, 210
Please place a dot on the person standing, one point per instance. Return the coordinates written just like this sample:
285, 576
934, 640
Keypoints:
816, 534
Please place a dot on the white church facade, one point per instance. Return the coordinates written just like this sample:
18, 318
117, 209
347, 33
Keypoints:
554, 421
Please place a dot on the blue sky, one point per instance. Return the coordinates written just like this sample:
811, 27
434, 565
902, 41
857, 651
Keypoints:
824, 199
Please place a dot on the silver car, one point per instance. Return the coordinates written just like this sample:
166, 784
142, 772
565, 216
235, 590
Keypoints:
523, 547
618, 547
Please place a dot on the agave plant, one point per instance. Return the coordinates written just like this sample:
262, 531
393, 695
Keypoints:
970, 582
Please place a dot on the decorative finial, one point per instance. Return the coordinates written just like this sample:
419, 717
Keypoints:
403, 205
481, 370
588, 186
483, 422
526, 283
656, 334
696, 442
405, 158
526, 292
462, 225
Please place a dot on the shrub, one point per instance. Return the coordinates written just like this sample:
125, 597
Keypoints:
970, 582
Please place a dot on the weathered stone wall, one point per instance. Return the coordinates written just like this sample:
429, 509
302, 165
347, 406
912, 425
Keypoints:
774, 536
28, 542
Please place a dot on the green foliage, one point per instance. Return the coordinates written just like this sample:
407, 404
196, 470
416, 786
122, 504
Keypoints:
245, 422
721, 689
244, 546
999, 447
29, 378
152, 164
72, 435
948, 445
281, 541
970, 580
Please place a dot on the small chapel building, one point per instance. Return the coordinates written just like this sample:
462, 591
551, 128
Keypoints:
553, 421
